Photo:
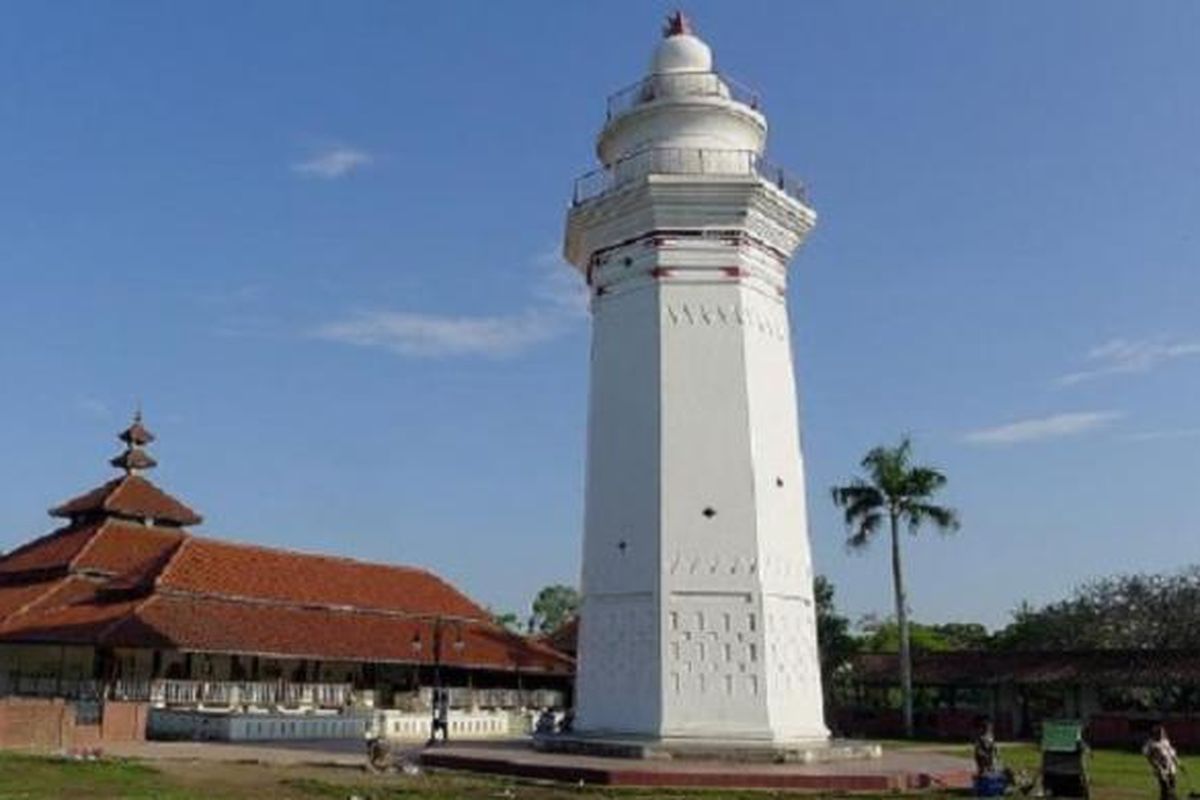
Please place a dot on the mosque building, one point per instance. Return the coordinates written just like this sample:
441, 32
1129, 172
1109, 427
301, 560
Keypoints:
123, 602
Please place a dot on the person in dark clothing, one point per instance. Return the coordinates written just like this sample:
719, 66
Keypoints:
441, 717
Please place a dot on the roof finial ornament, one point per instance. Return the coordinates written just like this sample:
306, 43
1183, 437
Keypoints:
678, 24
135, 437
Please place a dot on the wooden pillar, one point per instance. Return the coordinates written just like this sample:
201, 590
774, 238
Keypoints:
62, 667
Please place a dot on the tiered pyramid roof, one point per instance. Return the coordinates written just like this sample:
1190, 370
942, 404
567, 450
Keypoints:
125, 573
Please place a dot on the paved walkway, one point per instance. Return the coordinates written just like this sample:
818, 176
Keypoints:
897, 770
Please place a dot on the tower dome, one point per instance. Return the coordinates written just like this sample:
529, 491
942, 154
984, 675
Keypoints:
682, 53
680, 50
682, 105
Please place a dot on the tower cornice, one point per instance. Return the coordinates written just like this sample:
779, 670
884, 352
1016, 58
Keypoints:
694, 202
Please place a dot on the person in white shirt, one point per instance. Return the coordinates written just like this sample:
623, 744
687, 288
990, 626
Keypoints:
1163, 760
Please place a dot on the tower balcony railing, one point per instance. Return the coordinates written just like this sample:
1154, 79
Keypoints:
680, 84
684, 161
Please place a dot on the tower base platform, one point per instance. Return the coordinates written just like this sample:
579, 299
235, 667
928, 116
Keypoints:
894, 770
821, 751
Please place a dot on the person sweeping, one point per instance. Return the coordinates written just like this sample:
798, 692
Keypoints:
1163, 760
987, 760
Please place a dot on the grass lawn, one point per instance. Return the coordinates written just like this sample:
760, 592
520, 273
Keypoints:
1116, 776
36, 777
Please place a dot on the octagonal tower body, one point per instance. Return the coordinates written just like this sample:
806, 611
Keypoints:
697, 618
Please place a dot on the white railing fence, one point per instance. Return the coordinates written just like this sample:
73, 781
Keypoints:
185, 693
170, 693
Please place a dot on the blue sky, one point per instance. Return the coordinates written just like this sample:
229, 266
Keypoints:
317, 241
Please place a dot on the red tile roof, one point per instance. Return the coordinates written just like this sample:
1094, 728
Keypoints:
124, 584
210, 625
124, 572
226, 569
83, 622
111, 547
52, 552
129, 496
122, 549
18, 596
50, 596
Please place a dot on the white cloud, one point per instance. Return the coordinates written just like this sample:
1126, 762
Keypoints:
560, 288
333, 162
237, 326
1152, 436
560, 301
1125, 356
432, 336
1040, 428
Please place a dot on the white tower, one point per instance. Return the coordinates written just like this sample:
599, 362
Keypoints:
697, 616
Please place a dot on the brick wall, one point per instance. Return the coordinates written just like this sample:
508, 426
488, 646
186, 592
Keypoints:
28, 722
124, 722
49, 724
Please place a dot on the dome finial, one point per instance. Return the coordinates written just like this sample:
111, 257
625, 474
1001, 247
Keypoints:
677, 24
135, 437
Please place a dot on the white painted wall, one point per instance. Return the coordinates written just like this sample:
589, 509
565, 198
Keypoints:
702, 626
216, 726
405, 726
618, 638
395, 725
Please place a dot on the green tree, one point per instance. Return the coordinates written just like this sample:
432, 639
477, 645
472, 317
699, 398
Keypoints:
507, 619
883, 636
835, 643
1123, 612
963, 635
553, 606
897, 492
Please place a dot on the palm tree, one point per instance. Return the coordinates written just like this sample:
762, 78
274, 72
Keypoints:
896, 491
